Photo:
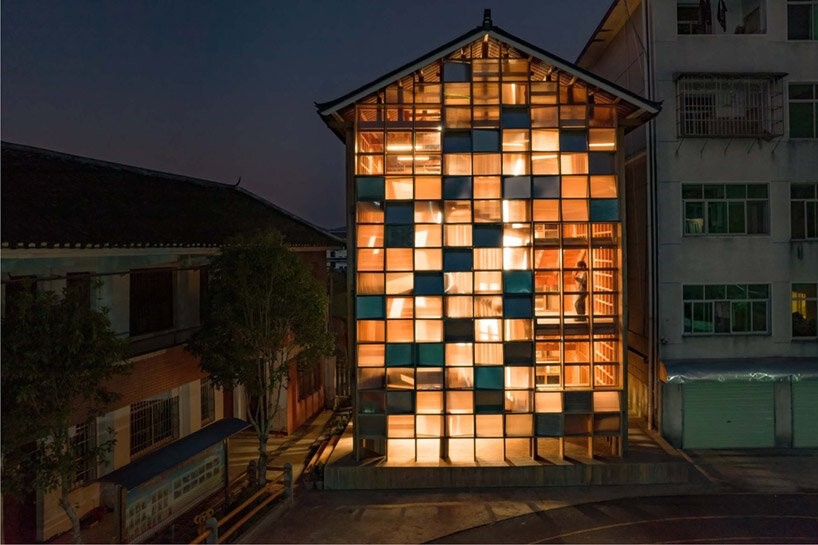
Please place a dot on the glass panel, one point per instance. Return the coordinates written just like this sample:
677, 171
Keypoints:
427, 187
487, 187
399, 283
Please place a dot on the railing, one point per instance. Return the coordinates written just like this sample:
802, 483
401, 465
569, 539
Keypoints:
281, 486
157, 341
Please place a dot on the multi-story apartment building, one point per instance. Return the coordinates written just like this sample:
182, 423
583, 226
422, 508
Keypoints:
138, 242
725, 181
485, 253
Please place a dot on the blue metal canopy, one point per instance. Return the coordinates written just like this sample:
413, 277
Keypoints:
168, 457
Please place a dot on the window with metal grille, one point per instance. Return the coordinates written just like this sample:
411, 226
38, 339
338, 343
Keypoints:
725, 209
153, 423
726, 309
83, 442
151, 301
208, 401
804, 211
729, 106
804, 301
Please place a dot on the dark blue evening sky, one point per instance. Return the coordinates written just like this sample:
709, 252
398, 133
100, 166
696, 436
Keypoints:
221, 89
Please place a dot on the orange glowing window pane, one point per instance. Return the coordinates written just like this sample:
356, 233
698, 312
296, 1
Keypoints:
457, 164
488, 330
460, 425
519, 425
519, 330
370, 260
486, 163
489, 425
427, 187
459, 354
428, 212
575, 210
399, 188
399, 307
516, 210
429, 402
426, 141
488, 306
545, 140
458, 306
602, 139
548, 402
459, 403
399, 331
488, 354
515, 164
399, 283
458, 235
516, 259
398, 259
369, 142
606, 401
400, 426
428, 330
545, 163
574, 163
428, 307
488, 258
370, 283
428, 236
574, 186
546, 210
515, 234
457, 211
428, 259
369, 164
487, 187
487, 211
369, 212
371, 331
488, 282
515, 140
430, 425
457, 282
370, 236
370, 355
603, 187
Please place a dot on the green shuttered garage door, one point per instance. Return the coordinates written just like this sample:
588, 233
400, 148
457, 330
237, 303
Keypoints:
805, 414
728, 415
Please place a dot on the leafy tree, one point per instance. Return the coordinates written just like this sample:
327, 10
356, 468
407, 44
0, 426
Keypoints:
264, 310
57, 353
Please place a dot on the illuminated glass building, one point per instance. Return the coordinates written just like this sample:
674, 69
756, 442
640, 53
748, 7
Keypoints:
486, 254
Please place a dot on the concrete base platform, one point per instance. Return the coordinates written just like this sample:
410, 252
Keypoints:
649, 463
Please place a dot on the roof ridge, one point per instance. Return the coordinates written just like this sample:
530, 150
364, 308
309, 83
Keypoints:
111, 164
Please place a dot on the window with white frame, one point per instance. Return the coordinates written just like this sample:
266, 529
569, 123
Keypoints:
726, 309
725, 209
208, 401
802, 19
83, 442
804, 302
153, 423
803, 109
804, 211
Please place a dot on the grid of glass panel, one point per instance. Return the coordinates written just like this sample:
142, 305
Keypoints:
487, 261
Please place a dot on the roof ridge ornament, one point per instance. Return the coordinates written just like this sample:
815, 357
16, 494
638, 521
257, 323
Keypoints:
487, 24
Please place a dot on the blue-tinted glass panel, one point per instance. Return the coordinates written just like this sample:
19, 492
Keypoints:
517, 187
488, 378
400, 402
578, 402
602, 163
369, 306
548, 425
399, 354
457, 142
604, 210
456, 71
430, 354
400, 213
546, 187
429, 283
487, 236
515, 117
457, 260
517, 306
457, 187
458, 330
370, 188
517, 281
573, 140
518, 353
488, 402
399, 236
485, 140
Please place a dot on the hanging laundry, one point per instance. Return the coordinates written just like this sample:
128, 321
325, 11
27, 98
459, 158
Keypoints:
705, 17
721, 15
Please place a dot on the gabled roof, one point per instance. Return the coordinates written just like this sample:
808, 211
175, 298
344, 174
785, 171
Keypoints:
609, 26
629, 104
52, 199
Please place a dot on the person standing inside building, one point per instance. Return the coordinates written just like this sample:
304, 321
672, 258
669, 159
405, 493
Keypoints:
581, 278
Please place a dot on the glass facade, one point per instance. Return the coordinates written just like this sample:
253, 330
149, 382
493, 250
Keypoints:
487, 234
